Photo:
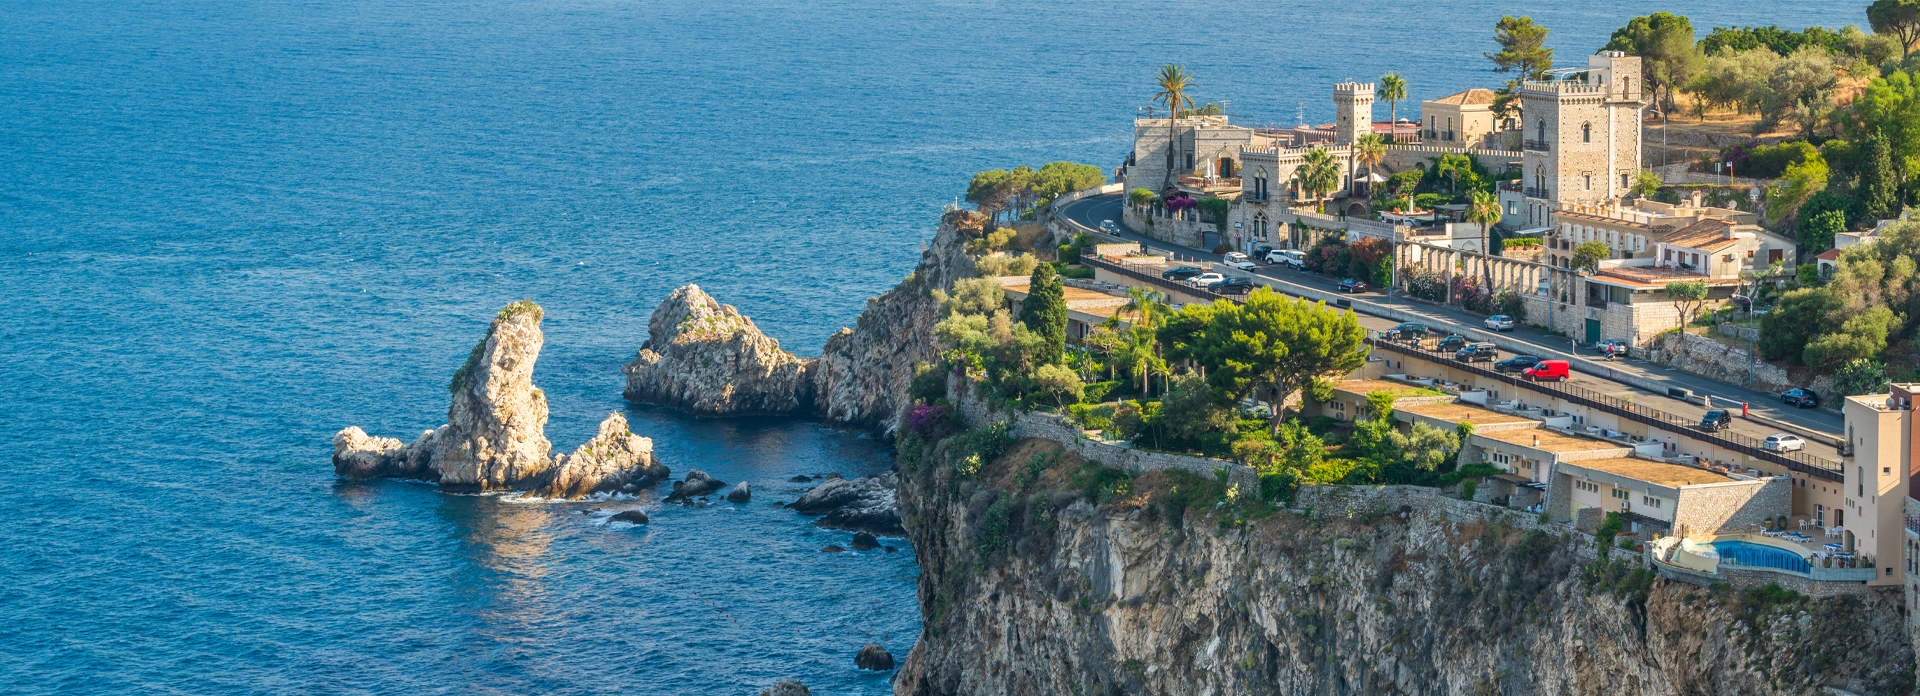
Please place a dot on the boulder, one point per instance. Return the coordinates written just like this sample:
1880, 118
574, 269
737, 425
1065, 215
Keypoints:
697, 483
358, 456
802, 478
740, 493
833, 549
635, 516
863, 541
614, 461
863, 504
786, 687
873, 657
708, 359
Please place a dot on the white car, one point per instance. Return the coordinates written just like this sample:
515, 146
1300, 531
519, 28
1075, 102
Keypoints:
1201, 281
1238, 260
1783, 442
1500, 322
1287, 257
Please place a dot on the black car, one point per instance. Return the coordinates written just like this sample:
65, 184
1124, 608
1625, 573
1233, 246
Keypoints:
1516, 363
1182, 273
1231, 286
1454, 342
1477, 352
1350, 285
1715, 420
1803, 398
1260, 251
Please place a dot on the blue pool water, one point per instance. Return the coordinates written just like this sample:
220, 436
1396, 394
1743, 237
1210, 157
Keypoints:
230, 227
1760, 555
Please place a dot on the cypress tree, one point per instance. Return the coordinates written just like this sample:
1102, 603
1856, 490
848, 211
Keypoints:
1045, 313
1879, 190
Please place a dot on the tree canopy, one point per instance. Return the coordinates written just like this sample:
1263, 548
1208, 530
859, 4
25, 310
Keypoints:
1273, 343
1523, 48
1045, 312
1898, 18
1664, 42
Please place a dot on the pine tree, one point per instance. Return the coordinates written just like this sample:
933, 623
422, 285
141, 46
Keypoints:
1879, 190
1045, 313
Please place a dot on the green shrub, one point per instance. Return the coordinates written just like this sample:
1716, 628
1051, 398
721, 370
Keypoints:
1098, 391
995, 528
1099, 484
1068, 254
1080, 272
929, 383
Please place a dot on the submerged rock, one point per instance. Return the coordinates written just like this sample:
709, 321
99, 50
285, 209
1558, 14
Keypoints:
802, 478
634, 516
864, 541
697, 483
833, 549
708, 359
873, 657
786, 687
862, 504
741, 493
615, 461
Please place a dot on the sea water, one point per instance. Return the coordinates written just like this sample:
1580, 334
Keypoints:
229, 228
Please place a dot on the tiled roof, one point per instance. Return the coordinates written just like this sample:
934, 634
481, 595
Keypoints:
1705, 235
1655, 276
1829, 255
1467, 98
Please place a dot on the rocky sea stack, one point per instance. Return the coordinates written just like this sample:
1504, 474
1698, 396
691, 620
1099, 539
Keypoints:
708, 359
495, 436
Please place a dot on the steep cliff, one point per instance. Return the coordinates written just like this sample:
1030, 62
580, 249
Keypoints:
1044, 574
708, 359
495, 435
861, 377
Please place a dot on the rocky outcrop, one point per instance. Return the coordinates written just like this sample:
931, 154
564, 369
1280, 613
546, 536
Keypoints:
1718, 361
708, 359
741, 493
697, 483
873, 657
635, 516
786, 687
614, 461
862, 504
495, 435
1030, 589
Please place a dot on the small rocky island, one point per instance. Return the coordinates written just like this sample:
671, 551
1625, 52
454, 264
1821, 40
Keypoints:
708, 359
495, 438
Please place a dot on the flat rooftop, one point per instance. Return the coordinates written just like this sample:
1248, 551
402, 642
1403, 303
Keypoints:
1661, 473
1072, 294
1462, 413
1550, 441
1363, 387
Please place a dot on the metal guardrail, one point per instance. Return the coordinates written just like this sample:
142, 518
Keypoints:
1795, 461
1534, 145
1152, 277
1536, 193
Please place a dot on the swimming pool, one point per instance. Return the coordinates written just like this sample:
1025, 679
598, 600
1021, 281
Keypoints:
1750, 554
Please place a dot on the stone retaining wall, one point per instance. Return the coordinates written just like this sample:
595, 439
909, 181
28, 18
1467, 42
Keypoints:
1718, 361
1186, 233
1342, 501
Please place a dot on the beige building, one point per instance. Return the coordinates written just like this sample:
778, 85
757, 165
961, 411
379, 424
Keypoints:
1464, 119
1880, 432
1205, 153
1581, 135
1665, 498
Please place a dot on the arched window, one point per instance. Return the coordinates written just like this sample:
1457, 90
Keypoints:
1586, 132
1260, 225
1542, 130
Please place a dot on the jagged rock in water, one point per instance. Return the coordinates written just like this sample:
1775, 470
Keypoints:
495, 437
873, 657
864, 541
632, 516
802, 478
708, 359
833, 549
697, 483
615, 461
358, 456
786, 687
862, 504
741, 493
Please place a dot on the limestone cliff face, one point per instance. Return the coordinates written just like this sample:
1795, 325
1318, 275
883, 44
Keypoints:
614, 461
495, 436
861, 377
1054, 595
708, 359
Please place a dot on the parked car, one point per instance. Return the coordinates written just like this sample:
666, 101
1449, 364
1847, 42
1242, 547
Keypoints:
1233, 286
1619, 347
1287, 257
1477, 352
1454, 342
1715, 420
1500, 322
1518, 363
1109, 227
1548, 371
1182, 273
1205, 279
1237, 260
1351, 286
1407, 332
1803, 398
1260, 251
1783, 442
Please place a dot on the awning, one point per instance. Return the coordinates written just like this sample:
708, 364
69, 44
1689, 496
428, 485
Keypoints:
1645, 521
1515, 479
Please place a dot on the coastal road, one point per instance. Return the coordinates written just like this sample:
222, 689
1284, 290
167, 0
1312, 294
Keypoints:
1092, 211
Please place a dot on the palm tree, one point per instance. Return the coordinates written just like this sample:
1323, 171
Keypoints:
1370, 150
1143, 303
1451, 166
1393, 88
1485, 210
1173, 82
1317, 174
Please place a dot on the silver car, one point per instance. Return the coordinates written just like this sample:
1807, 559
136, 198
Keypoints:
1783, 442
1500, 322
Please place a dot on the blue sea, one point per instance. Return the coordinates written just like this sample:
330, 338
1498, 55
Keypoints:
230, 228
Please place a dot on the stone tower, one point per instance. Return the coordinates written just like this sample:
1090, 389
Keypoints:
1580, 137
1353, 111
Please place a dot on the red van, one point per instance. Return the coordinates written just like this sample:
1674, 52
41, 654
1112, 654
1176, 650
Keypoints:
1547, 371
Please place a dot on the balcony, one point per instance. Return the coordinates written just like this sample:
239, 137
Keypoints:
1210, 184
1535, 145
1539, 193
1510, 185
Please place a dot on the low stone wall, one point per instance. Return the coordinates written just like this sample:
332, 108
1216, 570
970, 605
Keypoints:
1186, 233
975, 411
1343, 501
1754, 578
1737, 331
1717, 361
1729, 508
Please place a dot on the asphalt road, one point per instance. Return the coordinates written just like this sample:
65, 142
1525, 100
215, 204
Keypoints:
1092, 211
